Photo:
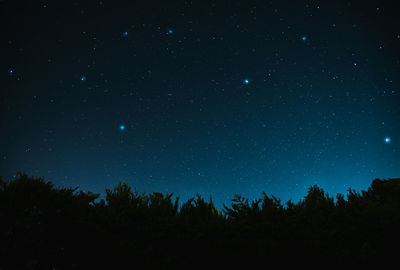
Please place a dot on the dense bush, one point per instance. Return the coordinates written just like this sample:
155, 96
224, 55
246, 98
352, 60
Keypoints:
43, 227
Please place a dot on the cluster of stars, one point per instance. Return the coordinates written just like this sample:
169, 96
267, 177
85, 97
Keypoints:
293, 93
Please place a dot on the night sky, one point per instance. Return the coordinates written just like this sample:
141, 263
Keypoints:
209, 97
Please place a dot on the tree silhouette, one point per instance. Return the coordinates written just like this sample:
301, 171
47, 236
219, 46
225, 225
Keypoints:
48, 227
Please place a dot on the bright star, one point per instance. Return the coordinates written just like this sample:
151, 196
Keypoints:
10, 72
83, 78
246, 81
122, 127
387, 140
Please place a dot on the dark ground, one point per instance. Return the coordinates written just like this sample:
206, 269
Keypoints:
43, 227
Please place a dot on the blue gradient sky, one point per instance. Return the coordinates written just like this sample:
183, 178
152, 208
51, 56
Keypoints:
314, 110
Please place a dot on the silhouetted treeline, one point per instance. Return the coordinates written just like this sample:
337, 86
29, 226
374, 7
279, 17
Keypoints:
43, 227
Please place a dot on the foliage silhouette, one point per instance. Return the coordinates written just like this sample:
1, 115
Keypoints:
44, 227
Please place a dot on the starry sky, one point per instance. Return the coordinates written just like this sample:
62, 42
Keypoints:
209, 97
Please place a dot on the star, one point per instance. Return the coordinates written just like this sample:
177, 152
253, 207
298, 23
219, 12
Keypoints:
246, 81
170, 32
122, 127
387, 140
83, 78
125, 34
304, 38
11, 72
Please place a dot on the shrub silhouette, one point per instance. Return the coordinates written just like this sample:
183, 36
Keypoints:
196, 211
44, 227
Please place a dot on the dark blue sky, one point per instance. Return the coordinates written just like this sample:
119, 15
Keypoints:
216, 97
